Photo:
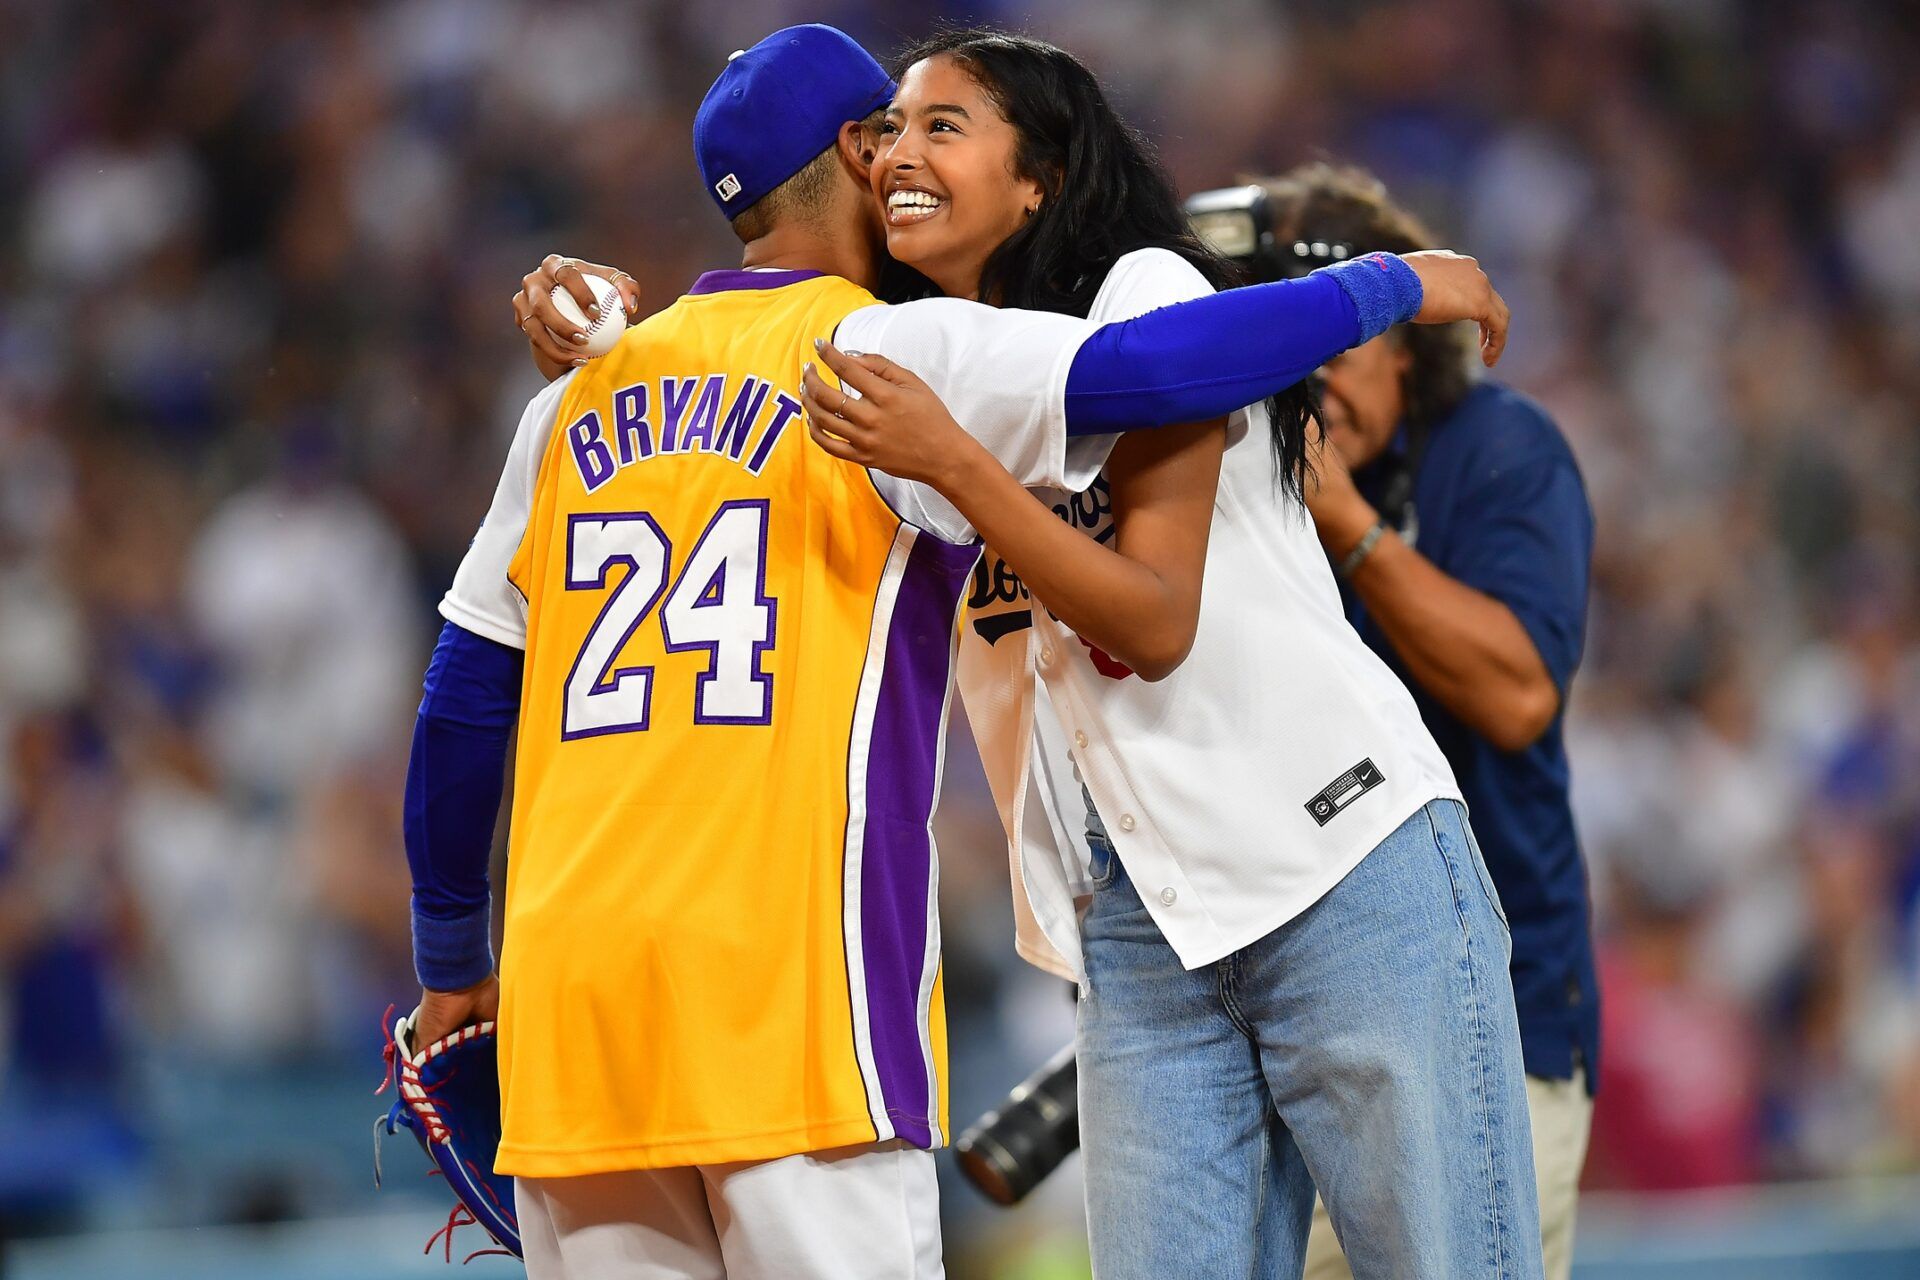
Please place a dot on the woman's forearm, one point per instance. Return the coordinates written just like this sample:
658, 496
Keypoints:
1139, 609
1209, 356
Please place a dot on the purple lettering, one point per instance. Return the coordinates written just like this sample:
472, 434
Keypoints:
698, 433
732, 440
630, 425
590, 453
786, 408
674, 395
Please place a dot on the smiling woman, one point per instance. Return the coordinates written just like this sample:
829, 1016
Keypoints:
943, 135
972, 174
1008, 177
1225, 1045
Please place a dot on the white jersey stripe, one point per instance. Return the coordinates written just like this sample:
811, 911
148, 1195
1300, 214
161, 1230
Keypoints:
850, 874
930, 965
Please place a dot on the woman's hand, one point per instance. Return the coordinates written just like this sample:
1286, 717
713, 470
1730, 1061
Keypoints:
893, 422
558, 346
1453, 287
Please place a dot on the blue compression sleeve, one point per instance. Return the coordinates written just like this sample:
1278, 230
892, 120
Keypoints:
455, 776
1209, 356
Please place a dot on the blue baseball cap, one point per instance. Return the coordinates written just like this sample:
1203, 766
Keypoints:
777, 106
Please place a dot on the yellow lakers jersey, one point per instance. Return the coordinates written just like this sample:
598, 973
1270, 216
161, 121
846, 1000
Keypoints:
720, 934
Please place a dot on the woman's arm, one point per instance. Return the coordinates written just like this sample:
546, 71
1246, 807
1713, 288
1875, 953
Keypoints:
1213, 354
1139, 599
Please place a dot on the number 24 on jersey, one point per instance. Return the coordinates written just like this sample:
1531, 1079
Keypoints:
718, 603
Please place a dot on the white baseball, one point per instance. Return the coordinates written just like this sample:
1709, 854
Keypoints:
601, 333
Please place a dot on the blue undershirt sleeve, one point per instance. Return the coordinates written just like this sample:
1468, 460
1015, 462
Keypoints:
1210, 356
455, 776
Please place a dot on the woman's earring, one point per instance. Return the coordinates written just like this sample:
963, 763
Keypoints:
1033, 211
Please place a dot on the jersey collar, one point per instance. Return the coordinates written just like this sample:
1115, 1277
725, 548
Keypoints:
739, 278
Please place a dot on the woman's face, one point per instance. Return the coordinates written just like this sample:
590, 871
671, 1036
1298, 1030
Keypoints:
945, 179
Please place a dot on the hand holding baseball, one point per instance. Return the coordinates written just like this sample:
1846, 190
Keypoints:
561, 341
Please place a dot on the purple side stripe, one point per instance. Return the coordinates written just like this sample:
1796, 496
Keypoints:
896, 854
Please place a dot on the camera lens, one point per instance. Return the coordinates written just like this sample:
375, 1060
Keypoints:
1011, 1149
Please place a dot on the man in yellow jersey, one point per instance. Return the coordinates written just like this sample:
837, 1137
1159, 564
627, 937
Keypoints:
727, 657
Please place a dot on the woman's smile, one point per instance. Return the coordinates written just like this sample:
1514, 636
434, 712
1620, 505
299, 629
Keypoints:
909, 204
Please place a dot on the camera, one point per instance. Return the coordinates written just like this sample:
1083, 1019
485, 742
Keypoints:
1011, 1149
1237, 224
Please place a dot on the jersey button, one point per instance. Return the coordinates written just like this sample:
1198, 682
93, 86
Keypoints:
1079, 739
1126, 824
1167, 896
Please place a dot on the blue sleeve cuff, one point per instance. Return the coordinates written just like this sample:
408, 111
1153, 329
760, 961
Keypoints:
452, 955
1385, 291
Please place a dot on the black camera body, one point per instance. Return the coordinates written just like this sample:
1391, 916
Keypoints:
1237, 224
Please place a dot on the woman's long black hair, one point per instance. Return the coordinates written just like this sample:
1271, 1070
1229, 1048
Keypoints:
1106, 195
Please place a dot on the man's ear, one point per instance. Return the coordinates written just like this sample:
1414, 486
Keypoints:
857, 145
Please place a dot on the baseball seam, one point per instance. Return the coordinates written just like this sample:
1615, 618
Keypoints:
600, 322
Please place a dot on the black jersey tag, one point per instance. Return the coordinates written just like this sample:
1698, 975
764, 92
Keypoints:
1344, 790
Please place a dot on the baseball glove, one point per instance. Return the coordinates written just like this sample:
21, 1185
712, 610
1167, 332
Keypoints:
448, 1097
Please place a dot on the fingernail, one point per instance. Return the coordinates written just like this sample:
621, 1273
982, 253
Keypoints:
579, 337
579, 362
819, 343
807, 367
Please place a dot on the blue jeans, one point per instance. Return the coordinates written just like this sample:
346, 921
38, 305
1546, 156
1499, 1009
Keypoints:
1368, 1047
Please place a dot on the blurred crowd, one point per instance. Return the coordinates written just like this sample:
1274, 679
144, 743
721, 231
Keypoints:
257, 371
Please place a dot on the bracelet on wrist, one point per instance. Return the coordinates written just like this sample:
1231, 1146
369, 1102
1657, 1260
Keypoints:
1352, 561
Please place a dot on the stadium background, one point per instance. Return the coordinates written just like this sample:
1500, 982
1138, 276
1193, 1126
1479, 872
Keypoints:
256, 377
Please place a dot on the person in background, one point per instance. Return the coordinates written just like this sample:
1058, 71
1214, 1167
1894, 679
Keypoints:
66, 919
1457, 522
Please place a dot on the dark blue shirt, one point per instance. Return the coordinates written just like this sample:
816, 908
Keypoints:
1500, 506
